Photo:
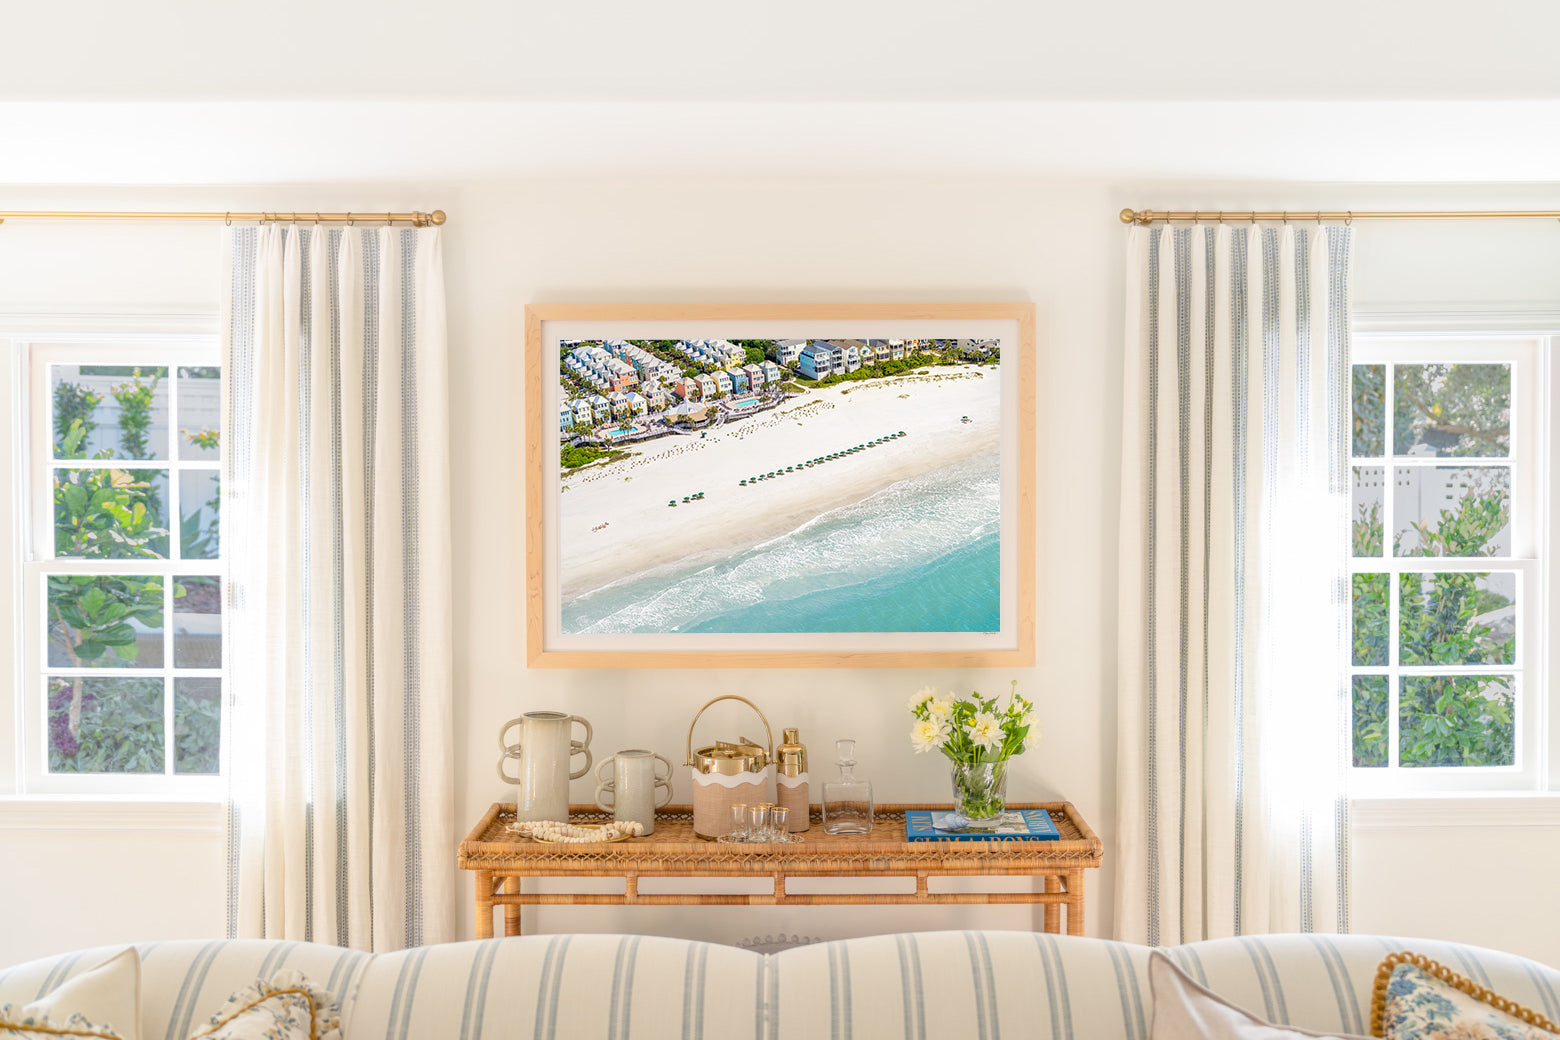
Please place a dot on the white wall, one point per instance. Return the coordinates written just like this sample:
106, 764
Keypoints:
513, 243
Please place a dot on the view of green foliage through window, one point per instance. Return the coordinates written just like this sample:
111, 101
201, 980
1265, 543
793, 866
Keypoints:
1435, 670
133, 630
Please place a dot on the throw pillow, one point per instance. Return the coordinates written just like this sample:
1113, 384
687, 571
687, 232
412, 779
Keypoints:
1183, 1010
288, 1007
104, 1001
1417, 999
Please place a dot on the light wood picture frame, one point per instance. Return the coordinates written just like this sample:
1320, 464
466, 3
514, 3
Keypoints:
909, 545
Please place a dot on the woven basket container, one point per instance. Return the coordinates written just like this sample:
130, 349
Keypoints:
726, 773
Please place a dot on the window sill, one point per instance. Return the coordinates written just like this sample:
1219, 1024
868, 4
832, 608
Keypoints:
103, 814
1459, 810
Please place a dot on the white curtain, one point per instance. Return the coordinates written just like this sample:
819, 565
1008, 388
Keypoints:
336, 519
1233, 711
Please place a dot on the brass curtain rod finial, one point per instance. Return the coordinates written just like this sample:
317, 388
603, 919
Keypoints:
1128, 216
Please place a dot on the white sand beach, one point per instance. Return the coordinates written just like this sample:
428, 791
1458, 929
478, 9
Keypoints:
642, 533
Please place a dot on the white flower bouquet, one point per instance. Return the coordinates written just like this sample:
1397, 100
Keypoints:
974, 729
978, 736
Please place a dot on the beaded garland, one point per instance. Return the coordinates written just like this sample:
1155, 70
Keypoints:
569, 833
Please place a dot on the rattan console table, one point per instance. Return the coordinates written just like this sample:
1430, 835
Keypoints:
500, 859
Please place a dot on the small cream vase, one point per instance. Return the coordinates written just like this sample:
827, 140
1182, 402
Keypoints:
634, 786
725, 774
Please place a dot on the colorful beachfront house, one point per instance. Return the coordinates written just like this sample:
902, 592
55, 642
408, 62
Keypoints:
655, 395
739, 381
771, 372
685, 389
898, 350
620, 374
722, 381
852, 358
707, 386
785, 351
602, 407
820, 358
637, 404
621, 409
584, 414
565, 417
755, 375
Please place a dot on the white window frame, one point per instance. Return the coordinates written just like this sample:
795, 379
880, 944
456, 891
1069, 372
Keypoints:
109, 341
1527, 345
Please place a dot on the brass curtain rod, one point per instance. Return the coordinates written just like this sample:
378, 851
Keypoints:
414, 218
1144, 217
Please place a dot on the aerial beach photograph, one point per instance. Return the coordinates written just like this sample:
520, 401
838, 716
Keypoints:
779, 486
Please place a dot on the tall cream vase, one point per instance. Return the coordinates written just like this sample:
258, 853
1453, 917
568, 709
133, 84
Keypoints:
542, 754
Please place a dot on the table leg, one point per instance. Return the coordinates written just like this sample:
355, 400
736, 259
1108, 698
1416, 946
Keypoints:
1075, 903
1053, 911
484, 904
511, 910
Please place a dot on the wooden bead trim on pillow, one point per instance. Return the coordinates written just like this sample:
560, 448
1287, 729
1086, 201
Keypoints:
1378, 1002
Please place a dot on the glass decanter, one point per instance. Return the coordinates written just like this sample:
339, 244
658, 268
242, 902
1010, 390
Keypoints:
847, 801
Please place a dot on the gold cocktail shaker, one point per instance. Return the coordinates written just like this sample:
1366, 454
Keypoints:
792, 789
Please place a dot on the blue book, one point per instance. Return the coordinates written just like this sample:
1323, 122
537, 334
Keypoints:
1014, 825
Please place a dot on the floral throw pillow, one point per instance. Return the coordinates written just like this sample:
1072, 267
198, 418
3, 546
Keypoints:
1417, 999
15, 1024
288, 1007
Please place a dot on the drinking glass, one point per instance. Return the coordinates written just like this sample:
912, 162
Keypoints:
759, 827
739, 822
779, 823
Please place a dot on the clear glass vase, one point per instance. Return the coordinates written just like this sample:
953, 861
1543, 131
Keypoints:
979, 792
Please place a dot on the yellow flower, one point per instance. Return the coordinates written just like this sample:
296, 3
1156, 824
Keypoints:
921, 696
940, 710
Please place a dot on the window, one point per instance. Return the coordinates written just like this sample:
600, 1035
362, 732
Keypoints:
122, 579
1449, 590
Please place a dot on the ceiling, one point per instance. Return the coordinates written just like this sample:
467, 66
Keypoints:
189, 91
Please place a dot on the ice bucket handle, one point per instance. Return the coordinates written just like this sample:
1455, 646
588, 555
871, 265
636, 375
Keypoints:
730, 697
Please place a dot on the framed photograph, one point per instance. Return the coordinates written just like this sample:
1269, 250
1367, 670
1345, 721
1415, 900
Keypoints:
754, 486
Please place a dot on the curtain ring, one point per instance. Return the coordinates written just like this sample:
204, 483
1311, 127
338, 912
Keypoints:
1348, 218
350, 221
227, 218
1221, 216
388, 221
1285, 217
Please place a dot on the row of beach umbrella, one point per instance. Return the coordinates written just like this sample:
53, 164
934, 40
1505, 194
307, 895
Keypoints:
822, 459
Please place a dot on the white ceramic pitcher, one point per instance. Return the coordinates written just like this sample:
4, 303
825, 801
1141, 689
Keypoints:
543, 752
633, 786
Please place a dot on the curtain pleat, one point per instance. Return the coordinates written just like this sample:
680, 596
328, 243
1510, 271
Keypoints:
1231, 706
336, 470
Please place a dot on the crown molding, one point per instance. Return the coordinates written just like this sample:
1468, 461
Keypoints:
42, 324
1457, 318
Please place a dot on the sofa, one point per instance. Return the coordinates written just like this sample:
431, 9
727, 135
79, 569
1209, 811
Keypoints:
982, 984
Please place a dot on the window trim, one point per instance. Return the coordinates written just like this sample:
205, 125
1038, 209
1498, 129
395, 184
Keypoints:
1538, 771
22, 335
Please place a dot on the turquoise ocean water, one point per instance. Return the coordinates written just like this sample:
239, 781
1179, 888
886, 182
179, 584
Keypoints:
920, 556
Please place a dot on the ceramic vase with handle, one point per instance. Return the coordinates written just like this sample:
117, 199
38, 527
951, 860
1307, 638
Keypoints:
542, 753
629, 786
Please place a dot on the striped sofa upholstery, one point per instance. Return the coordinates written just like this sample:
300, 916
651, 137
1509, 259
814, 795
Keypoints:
916, 986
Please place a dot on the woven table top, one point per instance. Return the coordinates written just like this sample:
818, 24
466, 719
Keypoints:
674, 849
